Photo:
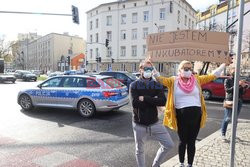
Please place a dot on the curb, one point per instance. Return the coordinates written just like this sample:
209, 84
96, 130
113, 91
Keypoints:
175, 160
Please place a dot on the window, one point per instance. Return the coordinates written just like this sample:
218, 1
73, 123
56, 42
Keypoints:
91, 38
91, 25
189, 23
146, 2
123, 6
71, 82
90, 83
109, 52
96, 52
113, 83
96, 23
121, 77
96, 37
109, 35
145, 32
109, 8
161, 28
179, 17
192, 24
134, 50
123, 34
134, 33
109, 20
96, 12
91, 53
144, 49
134, 4
134, 17
185, 20
145, 16
123, 19
160, 67
171, 7
123, 51
55, 82
162, 13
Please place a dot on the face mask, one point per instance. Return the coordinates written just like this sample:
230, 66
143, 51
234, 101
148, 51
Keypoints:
186, 74
147, 74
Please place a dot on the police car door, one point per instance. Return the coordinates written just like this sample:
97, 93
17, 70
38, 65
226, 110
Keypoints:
68, 94
47, 94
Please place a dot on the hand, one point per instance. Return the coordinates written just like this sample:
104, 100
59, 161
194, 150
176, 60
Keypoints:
141, 98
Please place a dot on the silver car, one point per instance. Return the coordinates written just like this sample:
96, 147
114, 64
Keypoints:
87, 94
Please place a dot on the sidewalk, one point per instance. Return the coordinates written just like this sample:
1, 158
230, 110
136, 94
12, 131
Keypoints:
213, 152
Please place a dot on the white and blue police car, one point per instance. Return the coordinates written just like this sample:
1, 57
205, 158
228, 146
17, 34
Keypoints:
85, 93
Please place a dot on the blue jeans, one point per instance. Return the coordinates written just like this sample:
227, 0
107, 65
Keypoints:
228, 116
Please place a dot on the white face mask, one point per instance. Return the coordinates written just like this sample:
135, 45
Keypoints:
147, 74
186, 74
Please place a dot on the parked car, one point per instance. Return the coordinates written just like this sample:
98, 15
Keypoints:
56, 73
28, 76
7, 78
137, 74
36, 72
216, 89
73, 72
85, 93
125, 77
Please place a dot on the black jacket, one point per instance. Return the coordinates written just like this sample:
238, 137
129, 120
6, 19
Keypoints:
145, 112
229, 88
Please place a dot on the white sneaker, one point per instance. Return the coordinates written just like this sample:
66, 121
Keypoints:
223, 137
182, 165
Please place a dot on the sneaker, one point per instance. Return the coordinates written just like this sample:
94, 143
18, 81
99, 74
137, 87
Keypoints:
223, 137
182, 165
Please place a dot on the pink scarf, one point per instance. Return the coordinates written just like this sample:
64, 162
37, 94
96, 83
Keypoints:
186, 87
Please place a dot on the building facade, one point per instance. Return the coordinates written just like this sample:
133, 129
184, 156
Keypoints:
50, 52
217, 17
126, 24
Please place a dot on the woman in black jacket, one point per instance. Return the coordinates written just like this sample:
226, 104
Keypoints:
229, 88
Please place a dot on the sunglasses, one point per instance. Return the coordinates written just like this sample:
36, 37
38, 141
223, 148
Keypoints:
148, 68
187, 69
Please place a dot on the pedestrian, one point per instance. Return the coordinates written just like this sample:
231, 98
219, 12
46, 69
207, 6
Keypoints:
185, 107
228, 102
146, 95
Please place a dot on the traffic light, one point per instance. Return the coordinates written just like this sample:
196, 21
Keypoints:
75, 15
87, 62
107, 43
100, 59
112, 60
97, 59
68, 60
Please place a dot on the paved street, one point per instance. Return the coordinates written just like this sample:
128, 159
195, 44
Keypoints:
28, 138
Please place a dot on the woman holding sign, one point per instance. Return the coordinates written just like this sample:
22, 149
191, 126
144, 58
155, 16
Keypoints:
185, 107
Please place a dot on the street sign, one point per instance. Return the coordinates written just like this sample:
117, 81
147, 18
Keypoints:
193, 45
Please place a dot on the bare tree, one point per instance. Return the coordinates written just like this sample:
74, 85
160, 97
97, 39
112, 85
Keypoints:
5, 48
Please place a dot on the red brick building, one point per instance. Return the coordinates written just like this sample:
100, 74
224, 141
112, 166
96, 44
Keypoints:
77, 61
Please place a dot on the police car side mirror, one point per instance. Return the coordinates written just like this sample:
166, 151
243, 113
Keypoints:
39, 86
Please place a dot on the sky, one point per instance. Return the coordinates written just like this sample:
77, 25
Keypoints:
12, 24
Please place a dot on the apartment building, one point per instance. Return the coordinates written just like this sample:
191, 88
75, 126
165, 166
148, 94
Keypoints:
50, 52
126, 24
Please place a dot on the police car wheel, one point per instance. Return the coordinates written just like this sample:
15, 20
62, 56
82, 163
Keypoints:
86, 108
25, 102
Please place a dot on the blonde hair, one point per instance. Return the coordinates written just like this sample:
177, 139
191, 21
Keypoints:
143, 62
183, 63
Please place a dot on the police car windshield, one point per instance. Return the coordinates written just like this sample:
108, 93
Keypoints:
113, 83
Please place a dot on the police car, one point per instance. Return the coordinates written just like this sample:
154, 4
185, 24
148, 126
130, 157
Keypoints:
87, 94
